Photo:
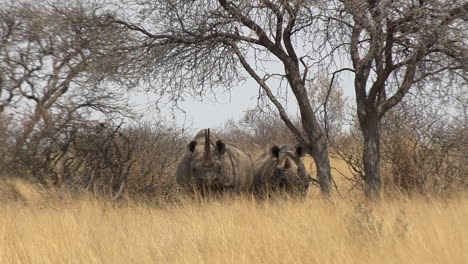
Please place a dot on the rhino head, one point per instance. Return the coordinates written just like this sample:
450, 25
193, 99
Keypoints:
289, 172
206, 167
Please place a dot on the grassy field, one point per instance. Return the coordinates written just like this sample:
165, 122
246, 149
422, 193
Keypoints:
41, 229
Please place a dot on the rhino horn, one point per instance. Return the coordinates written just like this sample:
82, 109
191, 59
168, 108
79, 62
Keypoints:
207, 160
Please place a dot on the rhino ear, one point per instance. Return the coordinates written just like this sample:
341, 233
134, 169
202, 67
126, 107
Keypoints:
192, 146
275, 150
221, 147
300, 151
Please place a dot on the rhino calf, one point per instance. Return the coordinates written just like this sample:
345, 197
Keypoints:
211, 164
281, 169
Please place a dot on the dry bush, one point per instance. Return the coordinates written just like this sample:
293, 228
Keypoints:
425, 155
157, 150
257, 132
35, 157
347, 151
101, 157
140, 159
59, 154
424, 150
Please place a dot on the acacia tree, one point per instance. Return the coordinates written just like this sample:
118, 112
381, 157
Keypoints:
55, 59
394, 47
196, 46
329, 101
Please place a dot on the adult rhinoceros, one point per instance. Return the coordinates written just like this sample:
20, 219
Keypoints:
281, 169
211, 164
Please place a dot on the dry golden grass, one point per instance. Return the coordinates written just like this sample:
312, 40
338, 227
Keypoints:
233, 230
340, 173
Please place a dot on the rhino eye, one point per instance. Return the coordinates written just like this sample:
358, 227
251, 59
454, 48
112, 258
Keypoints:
194, 169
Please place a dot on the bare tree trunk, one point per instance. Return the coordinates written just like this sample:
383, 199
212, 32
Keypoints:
316, 139
371, 156
322, 162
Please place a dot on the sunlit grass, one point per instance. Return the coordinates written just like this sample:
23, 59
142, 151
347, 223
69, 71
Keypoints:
233, 230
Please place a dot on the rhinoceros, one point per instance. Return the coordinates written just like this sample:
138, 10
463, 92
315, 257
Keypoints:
211, 164
281, 169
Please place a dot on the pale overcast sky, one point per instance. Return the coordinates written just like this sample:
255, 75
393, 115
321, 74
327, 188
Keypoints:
210, 114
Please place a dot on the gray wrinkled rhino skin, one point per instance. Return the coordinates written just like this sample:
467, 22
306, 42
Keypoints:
211, 164
281, 169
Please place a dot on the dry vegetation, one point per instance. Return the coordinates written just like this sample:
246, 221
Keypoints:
85, 179
69, 223
66, 221
42, 229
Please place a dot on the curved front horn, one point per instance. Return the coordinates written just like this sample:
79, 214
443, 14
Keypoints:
207, 152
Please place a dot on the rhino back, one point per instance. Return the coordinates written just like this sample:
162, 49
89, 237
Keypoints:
264, 167
238, 168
